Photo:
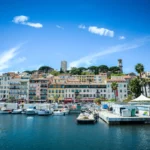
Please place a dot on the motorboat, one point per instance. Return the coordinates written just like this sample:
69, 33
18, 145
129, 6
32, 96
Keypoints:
63, 109
57, 112
17, 111
31, 111
5, 111
86, 118
43, 112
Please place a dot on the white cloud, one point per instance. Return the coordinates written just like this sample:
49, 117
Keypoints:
59, 27
122, 37
20, 19
101, 31
7, 56
35, 25
23, 20
88, 60
81, 26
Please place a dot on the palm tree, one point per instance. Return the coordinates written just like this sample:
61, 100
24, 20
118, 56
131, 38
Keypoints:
144, 84
114, 87
139, 69
56, 97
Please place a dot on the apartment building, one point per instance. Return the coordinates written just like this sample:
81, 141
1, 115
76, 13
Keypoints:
4, 86
19, 88
38, 89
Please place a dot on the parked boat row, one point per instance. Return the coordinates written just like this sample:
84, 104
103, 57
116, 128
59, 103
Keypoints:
42, 111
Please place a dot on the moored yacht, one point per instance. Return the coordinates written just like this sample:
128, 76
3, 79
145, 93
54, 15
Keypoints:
17, 111
43, 112
57, 112
31, 111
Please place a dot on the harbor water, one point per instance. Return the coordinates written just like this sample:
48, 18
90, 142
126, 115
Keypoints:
21, 132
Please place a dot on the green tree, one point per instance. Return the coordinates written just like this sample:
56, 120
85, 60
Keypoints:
114, 87
139, 69
81, 69
114, 69
94, 69
103, 68
45, 69
55, 73
56, 97
74, 71
135, 87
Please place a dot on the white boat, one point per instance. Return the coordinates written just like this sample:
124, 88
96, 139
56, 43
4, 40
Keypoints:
31, 111
5, 111
17, 111
86, 118
57, 112
43, 112
65, 111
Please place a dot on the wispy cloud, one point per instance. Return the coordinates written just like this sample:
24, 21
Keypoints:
101, 31
59, 27
24, 20
81, 26
9, 58
88, 60
122, 37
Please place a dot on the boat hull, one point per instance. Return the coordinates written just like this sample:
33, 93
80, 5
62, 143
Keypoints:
43, 113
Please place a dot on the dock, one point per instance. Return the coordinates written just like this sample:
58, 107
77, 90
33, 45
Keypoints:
113, 119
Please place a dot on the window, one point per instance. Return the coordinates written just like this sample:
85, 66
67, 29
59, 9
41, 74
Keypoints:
120, 91
124, 85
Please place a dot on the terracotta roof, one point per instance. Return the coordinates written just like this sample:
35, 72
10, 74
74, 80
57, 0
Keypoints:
127, 77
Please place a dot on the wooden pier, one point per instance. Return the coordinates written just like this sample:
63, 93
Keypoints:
111, 119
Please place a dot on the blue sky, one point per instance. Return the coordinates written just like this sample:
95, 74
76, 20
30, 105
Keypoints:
82, 32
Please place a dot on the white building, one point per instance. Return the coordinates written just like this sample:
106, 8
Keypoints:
4, 86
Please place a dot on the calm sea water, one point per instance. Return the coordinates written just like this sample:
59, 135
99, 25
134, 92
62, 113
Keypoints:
20, 132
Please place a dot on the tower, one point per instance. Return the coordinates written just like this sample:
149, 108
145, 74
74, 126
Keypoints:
120, 65
64, 66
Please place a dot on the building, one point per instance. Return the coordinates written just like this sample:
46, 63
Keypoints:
120, 65
38, 89
64, 66
122, 90
19, 89
4, 86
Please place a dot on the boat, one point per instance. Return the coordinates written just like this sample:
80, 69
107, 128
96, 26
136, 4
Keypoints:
57, 112
5, 111
63, 109
17, 111
31, 111
86, 118
43, 112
